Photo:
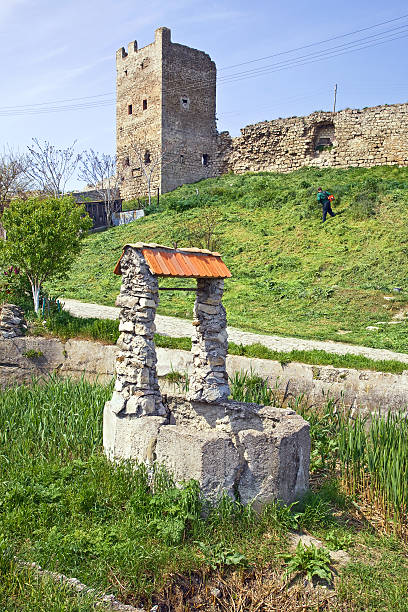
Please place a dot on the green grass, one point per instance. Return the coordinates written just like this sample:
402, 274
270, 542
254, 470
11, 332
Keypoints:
66, 326
22, 589
64, 506
69, 509
291, 275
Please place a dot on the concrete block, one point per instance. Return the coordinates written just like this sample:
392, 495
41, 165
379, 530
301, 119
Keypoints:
127, 437
206, 456
276, 462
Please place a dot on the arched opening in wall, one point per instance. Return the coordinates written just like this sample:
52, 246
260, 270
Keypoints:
324, 137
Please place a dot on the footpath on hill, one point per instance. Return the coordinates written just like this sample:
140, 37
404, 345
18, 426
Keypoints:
182, 328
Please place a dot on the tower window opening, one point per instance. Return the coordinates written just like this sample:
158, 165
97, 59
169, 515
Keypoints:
181, 159
147, 159
185, 102
130, 109
126, 161
205, 159
144, 104
125, 72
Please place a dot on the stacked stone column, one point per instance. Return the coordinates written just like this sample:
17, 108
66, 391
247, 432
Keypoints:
137, 389
12, 322
209, 382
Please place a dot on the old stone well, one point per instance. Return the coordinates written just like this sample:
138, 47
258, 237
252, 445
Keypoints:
253, 452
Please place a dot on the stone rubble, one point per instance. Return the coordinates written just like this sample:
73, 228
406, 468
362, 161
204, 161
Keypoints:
12, 321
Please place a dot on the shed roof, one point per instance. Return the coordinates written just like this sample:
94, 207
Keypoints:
184, 263
93, 196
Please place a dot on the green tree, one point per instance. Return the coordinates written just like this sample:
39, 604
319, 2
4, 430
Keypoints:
42, 237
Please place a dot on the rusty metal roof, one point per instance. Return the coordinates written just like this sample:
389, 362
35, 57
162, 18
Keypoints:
184, 263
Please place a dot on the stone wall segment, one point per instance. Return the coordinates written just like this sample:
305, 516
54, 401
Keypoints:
359, 138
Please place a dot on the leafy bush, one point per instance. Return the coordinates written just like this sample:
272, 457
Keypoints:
14, 287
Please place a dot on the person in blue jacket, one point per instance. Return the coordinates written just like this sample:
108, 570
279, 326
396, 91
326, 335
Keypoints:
324, 198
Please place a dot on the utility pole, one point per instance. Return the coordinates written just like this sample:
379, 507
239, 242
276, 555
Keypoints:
335, 98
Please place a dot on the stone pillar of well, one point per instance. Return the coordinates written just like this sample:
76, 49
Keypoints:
137, 389
209, 381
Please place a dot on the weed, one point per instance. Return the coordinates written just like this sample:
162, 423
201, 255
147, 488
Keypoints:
33, 354
248, 387
219, 555
309, 560
336, 540
180, 379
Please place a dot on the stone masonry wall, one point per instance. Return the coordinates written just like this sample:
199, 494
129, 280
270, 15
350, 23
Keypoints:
138, 78
189, 128
137, 389
364, 138
166, 94
209, 381
165, 108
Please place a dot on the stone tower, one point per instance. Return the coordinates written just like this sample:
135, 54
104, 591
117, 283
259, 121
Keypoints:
165, 116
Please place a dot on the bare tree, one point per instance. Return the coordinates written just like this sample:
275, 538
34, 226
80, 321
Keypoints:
50, 168
99, 171
13, 181
204, 232
150, 162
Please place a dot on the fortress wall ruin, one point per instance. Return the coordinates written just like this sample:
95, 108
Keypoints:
375, 136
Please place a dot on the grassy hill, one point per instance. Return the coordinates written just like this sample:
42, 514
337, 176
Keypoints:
292, 275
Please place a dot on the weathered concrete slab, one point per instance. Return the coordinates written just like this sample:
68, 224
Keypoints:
252, 452
364, 389
17, 367
95, 359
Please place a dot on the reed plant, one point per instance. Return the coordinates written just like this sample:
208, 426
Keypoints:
248, 387
373, 455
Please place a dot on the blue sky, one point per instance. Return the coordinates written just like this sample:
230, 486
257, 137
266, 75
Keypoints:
52, 51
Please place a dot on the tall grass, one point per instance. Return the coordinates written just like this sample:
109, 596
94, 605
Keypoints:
115, 526
374, 464
248, 387
371, 453
52, 418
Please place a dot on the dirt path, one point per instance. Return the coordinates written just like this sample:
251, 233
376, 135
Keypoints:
182, 328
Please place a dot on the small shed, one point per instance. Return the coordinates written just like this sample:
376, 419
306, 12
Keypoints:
95, 205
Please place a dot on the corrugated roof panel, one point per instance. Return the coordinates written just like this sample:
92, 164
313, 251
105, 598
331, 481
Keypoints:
185, 263
220, 266
206, 264
163, 263
175, 264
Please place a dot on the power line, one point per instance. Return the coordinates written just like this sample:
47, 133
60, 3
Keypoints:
22, 109
348, 45
56, 101
320, 42
305, 60
383, 37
